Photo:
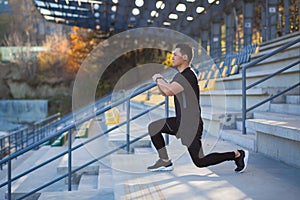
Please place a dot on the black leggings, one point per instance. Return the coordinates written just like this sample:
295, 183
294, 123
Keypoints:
170, 126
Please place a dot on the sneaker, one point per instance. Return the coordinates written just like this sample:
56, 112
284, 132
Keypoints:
241, 161
161, 165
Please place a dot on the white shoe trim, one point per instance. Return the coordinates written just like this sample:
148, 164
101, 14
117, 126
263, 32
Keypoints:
245, 161
170, 168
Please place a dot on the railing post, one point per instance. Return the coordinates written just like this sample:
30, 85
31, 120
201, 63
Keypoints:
167, 115
9, 144
9, 179
244, 105
128, 126
70, 160
1, 150
16, 142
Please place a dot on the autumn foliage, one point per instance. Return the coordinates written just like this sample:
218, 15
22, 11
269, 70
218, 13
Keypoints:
54, 61
82, 42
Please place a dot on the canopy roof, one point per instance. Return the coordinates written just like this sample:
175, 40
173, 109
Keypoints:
113, 16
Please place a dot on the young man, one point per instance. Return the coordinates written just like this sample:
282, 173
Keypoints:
187, 123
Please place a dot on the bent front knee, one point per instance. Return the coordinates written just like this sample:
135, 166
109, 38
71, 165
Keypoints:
152, 129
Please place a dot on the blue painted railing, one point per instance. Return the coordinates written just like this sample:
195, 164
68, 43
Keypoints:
245, 110
18, 139
69, 128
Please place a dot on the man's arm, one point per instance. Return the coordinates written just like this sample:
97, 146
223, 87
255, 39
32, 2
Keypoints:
167, 89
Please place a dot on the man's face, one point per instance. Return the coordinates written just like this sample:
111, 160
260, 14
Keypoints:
178, 59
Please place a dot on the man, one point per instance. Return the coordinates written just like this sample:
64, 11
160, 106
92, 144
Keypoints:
187, 123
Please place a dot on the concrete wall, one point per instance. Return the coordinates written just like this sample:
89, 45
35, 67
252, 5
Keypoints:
23, 111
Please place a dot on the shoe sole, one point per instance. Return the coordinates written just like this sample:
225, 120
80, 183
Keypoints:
170, 168
245, 161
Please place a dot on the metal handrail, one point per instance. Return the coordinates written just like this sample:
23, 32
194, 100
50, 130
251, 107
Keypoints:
16, 140
245, 87
20, 138
69, 128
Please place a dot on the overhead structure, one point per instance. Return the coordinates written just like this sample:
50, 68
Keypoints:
120, 15
202, 20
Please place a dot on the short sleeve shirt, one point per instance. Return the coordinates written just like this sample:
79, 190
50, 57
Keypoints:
187, 101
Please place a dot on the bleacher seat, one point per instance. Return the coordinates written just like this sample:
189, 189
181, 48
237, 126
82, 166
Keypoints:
202, 85
202, 75
234, 70
83, 130
211, 85
225, 71
209, 74
206, 85
60, 141
221, 65
217, 74
112, 116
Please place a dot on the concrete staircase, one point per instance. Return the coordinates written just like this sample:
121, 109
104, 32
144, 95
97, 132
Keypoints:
221, 108
277, 131
38, 177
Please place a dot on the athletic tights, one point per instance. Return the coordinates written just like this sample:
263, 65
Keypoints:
170, 126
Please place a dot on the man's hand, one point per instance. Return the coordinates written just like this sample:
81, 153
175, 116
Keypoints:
155, 77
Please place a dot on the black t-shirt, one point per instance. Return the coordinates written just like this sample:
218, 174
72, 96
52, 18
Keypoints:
187, 107
188, 99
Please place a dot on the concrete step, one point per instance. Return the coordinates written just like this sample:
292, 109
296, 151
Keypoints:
84, 195
284, 57
275, 116
284, 80
277, 42
216, 119
24, 161
237, 92
232, 99
277, 62
79, 157
88, 182
41, 176
288, 129
19, 165
144, 150
239, 125
118, 137
279, 139
293, 99
105, 179
293, 109
236, 137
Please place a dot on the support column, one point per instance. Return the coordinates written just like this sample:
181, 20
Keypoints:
215, 40
204, 39
264, 22
230, 33
299, 15
272, 14
287, 16
248, 21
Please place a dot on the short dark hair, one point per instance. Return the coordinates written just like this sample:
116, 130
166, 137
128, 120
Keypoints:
186, 49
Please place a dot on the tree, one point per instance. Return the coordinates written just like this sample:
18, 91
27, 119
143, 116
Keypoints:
53, 62
23, 21
82, 42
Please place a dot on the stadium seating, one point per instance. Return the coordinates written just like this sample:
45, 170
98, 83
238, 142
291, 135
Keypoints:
209, 72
